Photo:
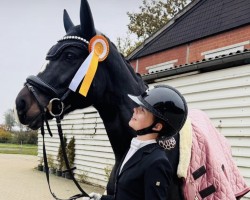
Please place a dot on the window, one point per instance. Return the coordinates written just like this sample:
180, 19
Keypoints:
161, 66
225, 50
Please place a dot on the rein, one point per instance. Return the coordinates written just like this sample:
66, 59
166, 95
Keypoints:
55, 108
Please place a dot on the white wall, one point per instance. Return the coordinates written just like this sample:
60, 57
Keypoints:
93, 152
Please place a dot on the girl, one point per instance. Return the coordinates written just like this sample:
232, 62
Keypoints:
146, 173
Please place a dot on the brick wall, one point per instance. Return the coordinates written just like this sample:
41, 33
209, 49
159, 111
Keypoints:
191, 52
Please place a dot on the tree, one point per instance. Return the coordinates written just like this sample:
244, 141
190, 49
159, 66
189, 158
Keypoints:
126, 45
5, 136
153, 15
23, 127
9, 119
60, 158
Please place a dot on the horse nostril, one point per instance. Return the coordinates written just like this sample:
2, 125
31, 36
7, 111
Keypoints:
21, 106
21, 109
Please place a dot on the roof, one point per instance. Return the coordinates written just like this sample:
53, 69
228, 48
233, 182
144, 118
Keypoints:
232, 59
200, 19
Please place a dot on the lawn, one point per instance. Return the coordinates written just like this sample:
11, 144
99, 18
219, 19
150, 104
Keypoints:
25, 149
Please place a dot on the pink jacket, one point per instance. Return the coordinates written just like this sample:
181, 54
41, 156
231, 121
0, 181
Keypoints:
211, 173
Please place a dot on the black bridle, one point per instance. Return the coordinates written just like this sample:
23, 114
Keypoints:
56, 109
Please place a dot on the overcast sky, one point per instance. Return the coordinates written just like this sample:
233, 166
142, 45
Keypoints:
30, 27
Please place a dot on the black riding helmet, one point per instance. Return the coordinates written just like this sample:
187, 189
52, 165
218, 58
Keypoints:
167, 104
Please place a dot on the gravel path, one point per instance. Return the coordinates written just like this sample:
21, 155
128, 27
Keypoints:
20, 181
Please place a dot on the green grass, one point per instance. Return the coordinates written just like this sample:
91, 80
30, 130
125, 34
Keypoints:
25, 149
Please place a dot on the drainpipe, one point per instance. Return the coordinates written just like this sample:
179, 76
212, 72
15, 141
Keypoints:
136, 65
187, 53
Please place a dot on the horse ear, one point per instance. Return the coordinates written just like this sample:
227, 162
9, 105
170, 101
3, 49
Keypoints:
67, 21
87, 22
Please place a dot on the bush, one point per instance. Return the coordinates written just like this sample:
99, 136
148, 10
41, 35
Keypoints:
50, 160
24, 137
29, 137
60, 160
32, 137
71, 151
5, 136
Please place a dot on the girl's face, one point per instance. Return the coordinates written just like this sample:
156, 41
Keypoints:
141, 118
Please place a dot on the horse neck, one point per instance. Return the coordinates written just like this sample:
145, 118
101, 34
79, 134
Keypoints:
122, 74
115, 107
115, 116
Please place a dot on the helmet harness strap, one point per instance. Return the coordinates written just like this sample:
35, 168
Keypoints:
148, 129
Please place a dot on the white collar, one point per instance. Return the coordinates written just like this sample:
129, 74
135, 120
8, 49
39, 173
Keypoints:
137, 144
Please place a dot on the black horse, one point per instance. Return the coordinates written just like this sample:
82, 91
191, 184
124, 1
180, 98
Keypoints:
114, 79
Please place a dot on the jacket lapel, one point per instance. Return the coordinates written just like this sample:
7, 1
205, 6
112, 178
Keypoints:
137, 157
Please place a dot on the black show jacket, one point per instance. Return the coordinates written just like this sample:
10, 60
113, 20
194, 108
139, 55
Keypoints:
145, 176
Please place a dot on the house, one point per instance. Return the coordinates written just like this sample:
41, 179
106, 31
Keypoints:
203, 30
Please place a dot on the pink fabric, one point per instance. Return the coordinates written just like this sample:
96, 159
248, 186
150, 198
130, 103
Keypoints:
211, 149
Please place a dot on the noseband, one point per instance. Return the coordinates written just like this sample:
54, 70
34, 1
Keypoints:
36, 82
41, 85
56, 109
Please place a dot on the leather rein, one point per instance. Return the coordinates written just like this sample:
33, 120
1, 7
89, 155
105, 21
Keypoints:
56, 109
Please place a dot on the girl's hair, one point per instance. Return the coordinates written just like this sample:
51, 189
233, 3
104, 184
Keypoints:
165, 128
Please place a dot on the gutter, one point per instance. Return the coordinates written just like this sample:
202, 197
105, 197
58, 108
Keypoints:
206, 65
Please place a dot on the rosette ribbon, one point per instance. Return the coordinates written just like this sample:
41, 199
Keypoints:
99, 50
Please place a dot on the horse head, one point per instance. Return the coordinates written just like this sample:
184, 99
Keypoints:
113, 79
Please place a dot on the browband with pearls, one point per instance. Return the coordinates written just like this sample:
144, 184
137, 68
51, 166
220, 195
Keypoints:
74, 38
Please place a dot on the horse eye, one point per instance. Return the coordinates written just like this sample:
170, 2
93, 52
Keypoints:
69, 56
